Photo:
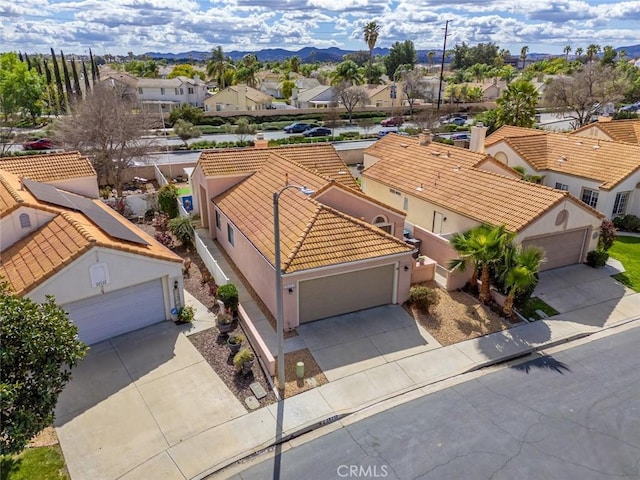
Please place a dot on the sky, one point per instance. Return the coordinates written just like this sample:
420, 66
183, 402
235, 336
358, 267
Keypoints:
121, 26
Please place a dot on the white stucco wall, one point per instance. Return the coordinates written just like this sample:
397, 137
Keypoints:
73, 283
10, 229
85, 186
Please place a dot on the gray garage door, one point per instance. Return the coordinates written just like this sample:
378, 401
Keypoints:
104, 316
561, 248
344, 293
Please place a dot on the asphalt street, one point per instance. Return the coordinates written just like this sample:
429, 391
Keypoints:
572, 415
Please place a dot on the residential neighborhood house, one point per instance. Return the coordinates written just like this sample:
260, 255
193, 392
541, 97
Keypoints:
238, 97
335, 259
57, 238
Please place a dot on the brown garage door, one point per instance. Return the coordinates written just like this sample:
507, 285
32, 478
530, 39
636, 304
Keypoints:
560, 248
346, 292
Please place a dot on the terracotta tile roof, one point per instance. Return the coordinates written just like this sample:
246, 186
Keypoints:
359, 194
36, 257
600, 160
321, 158
508, 131
617, 130
49, 167
13, 197
312, 235
481, 195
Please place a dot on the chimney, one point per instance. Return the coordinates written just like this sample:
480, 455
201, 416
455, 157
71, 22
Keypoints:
604, 118
478, 134
260, 142
426, 137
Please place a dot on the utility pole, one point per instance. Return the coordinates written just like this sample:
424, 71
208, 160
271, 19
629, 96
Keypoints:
444, 50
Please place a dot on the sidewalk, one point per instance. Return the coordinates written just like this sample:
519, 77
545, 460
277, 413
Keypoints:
222, 445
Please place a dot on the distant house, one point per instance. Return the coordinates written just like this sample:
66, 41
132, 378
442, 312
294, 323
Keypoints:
606, 128
604, 174
491, 89
446, 190
381, 95
321, 96
337, 254
238, 98
57, 238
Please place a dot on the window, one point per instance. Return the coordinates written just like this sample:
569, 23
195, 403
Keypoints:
25, 221
230, 234
181, 91
590, 197
620, 204
217, 220
405, 206
177, 90
190, 90
383, 224
140, 90
162, 91
561, 186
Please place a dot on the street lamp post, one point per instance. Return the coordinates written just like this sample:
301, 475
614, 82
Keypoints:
278, 270
444, 50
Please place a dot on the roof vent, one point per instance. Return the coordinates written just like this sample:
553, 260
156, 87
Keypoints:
420, 188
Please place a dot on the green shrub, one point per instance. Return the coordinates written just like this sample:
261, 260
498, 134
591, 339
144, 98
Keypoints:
244, 355
182, 229
228, 294
223, 319
627, 223
168, 200
186, 314
422, 298
597, 258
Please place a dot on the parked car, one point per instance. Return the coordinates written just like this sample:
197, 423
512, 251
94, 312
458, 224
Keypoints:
297, 127
41, 144
392, 122
382, 133
460, 136
634, 107
459, 121
317, 132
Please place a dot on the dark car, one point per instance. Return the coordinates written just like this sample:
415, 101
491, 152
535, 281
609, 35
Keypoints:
634, 107
317, 132
460, 136
383, 133
459, 121
297, 127
392, 122
42, 144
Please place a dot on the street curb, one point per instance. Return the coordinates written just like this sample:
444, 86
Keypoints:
337, 416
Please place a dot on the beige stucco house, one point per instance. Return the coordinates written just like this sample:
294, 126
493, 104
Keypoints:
604, 174
446, 190
238, 97
57, 238
337, 253
627, 131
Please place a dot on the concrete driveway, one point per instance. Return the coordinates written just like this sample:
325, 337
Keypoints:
586, 295
132, 398
354, 342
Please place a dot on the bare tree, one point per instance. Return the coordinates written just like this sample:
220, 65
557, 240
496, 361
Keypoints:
350, 97
426, 119
107, 127
582, 94
414, 86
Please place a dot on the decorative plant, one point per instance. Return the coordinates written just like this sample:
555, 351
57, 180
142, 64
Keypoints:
422, 298
168, 200
243, 356
229, 295
236, 339
607, 235
165, 239
186, 314
182, 229
223, 319
160, 222
597, 258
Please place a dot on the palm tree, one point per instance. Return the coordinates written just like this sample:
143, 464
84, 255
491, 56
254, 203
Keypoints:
217, 67
523, 55
579, 52
592, 51
371, 31
567, 50
483, 246
520, 273
347, 72
430, 57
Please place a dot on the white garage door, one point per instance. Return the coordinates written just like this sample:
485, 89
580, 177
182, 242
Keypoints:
104, 316
348, 292
561, 248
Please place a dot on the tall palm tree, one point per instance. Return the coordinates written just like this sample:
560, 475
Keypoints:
217, 67
371, 31
483, 246
567, 50
347, 72
520, 273
592, 51
430, 56
523, 55
579, 52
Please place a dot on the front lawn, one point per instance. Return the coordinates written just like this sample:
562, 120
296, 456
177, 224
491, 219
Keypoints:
627, 251
43, 463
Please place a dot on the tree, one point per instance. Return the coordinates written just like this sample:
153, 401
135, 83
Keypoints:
347, 72
581, 94
38, 348
107, 127
609, 55
414, 87
350, 96
247, 72
21, 90
62, 97
371, 32
217, 67
186, 112
523, 55
592, 51
142, 68
241, 130
168, 199
517, 104
430, 57
182, 229
185, 70
400, 54
579, 52
520, 272
76, 80
464, 56
483, 246
67, 79
567, 50
186, 131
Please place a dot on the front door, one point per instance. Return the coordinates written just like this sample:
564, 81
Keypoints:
437, 223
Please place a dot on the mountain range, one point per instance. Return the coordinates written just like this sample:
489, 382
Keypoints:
333, 54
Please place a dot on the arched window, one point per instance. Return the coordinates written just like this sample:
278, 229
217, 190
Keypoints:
381, 222
25, 220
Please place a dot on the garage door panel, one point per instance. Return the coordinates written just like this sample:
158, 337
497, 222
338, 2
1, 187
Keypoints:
561, 249
344, 293
115, 313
